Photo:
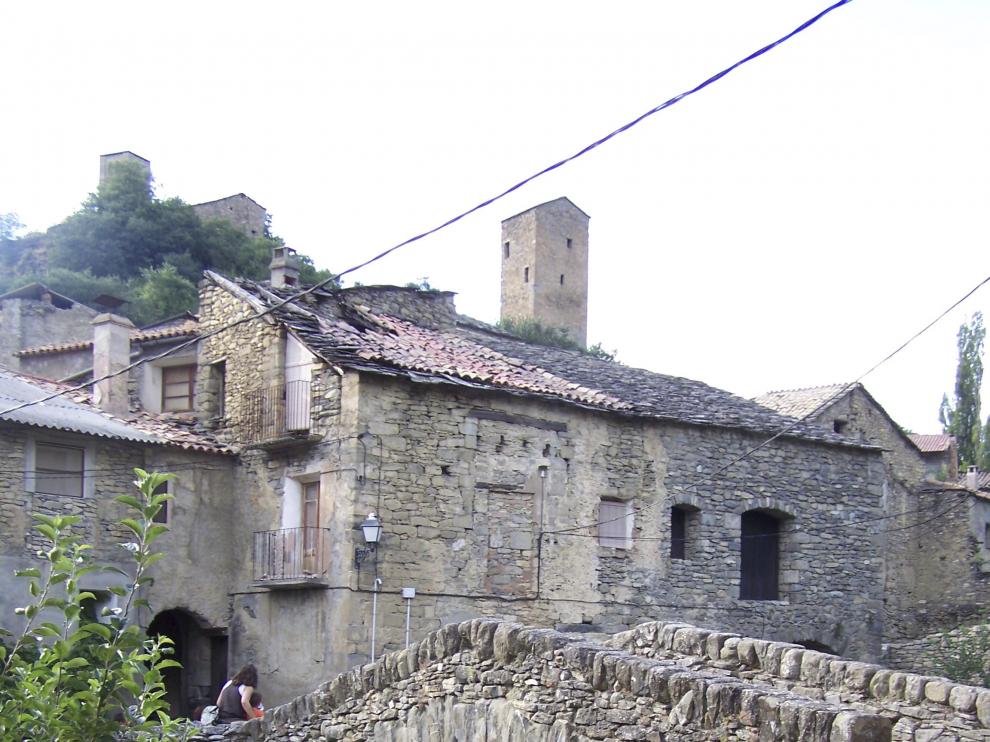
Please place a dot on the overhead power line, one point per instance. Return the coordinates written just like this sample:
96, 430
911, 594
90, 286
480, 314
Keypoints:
478, 207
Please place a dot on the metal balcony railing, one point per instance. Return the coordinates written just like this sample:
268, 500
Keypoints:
289, 555
277, 411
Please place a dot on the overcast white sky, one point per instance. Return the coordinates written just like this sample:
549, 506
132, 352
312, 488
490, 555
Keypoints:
786, 227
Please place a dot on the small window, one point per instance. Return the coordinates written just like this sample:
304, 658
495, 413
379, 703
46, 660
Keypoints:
839, 426
678, 532
100, 608
526, 274
178, 385
561, 279
760, 563
58, 469
615, 524
218, 382
505, 251
986, 536
162, 515
570, 244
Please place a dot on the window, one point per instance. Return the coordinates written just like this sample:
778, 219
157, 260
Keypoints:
162, 515
505, 250
570, 244
760, 564
678, 532
218, 382
561, 279
839, 426
615, 524
526, 274
58, 469
100, 608
178, 384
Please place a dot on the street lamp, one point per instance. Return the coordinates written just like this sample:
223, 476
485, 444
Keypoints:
372, 530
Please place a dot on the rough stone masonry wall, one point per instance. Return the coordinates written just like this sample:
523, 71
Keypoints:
29, 322
493, 681
463, 501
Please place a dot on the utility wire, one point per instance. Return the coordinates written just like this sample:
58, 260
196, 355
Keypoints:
797, 421
484, 204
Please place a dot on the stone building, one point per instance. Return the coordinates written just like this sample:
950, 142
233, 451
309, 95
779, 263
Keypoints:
68, 456
34, 314
511, 480
936, 530
240, 210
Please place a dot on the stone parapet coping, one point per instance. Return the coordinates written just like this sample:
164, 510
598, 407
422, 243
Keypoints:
772, 713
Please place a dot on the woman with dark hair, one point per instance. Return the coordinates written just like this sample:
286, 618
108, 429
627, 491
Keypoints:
234, 700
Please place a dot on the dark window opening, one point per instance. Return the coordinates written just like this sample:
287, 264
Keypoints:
678, 533
839, 426
570, 243
760, 563
162, 515
986, 536
505, 251
526, 274
561, 279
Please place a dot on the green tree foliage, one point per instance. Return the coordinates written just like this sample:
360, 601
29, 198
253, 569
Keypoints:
961, 417
69, 678
126, 242
534, 331
962, 655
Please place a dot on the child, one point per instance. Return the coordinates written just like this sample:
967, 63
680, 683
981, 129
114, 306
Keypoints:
256, 706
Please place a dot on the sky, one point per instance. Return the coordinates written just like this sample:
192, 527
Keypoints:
788, 226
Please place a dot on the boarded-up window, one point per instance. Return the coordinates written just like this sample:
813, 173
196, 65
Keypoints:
615, 524
58, 469
760, 564
178, 383
678, 532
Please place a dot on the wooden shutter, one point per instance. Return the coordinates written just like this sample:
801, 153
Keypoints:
615, 524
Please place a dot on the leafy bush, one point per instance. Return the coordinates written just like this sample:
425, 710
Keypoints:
962, 655
534, 331
66, 677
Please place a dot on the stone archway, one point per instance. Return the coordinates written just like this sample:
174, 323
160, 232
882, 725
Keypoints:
200, 650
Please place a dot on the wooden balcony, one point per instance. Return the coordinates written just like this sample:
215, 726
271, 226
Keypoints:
291, 558
277, 415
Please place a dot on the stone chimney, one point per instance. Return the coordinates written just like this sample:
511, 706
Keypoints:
111, 352
284, 267
973, 478
545, 267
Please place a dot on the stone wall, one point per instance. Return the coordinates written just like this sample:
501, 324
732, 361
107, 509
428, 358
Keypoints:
493, 681
240, 210
941, 651
28, 323
427, 308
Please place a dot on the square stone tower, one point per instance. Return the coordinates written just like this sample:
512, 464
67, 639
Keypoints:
545, 267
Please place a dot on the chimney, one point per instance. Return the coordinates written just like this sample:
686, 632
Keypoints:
973, 478
284, 267
545, 267
111, 352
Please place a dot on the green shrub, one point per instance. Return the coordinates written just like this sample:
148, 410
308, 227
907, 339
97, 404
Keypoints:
66, 677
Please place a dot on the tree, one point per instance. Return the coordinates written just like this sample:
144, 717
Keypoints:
162, 292
534, 331
79, 679
961, 417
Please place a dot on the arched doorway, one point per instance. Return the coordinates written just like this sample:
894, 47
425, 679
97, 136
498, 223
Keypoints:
202, 652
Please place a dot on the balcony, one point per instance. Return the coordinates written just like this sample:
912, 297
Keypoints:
277, 415
291, 558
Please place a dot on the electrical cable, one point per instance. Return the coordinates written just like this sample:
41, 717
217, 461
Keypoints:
484, 204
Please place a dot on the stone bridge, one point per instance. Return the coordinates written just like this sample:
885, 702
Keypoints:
490, 681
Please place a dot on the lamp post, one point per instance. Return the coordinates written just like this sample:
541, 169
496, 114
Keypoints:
371, 529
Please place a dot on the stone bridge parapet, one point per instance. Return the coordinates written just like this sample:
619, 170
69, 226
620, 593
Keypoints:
493, 681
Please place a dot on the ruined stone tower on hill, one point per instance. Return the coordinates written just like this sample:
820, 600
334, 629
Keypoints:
545, 267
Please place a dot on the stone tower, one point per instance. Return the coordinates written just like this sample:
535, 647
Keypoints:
545, 267
108, 161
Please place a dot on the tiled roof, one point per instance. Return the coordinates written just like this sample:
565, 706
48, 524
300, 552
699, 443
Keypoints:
470, 353
800, 403
187, 328
75, 412
932, 443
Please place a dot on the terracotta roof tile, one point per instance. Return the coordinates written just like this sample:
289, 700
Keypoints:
471, 353
932, 443
186, 329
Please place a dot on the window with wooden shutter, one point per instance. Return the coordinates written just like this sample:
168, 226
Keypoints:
178, 385
615, 524
58, 469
